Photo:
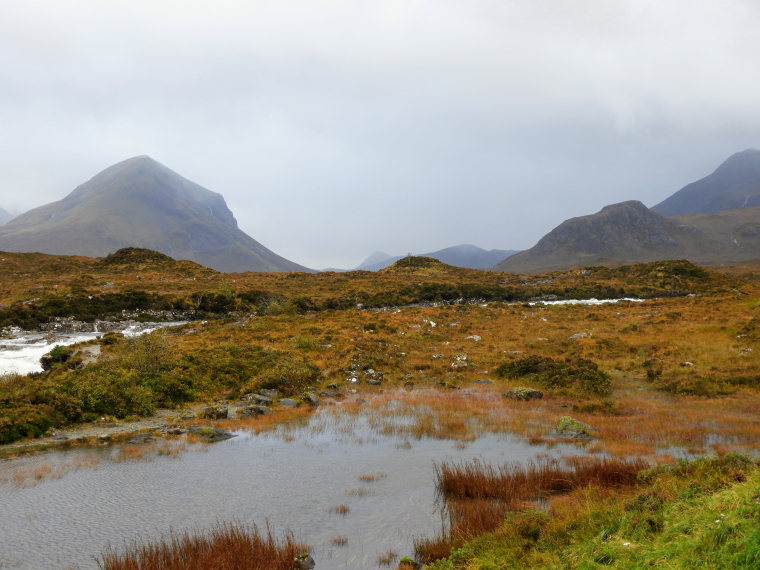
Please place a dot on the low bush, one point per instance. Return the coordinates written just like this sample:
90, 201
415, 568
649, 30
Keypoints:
570, 376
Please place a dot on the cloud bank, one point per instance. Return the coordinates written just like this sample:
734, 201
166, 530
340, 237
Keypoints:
336, 128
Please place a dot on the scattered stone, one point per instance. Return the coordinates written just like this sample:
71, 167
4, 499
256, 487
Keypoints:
474, 337
369, 373
745, 351
176, 431
259, 399
572, 428
481, 382
513, 351
580, 335
438, 356
270, 393
330, 394
524, 394
104, 438
332, 386
326, 346
305, 562
310, 398
187, 414
255, 410
374, 382
58, 436
218, 412
353, 380
289, 402
408, 384
687, 364
361, 400
211, 434
142, 438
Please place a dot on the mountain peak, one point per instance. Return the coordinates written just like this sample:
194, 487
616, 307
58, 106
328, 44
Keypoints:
139, 202
734, 184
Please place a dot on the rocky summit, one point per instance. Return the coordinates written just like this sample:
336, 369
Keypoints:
734, 184
629, 232
141, 203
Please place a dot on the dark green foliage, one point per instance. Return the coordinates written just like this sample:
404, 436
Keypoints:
143, 374
572, 375
86, 307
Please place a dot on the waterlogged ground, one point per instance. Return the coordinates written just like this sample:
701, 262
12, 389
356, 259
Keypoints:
61, 508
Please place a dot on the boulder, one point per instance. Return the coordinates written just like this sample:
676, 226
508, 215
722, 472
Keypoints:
176, 431
219, 412
211, 434
305, 562
270, 393
289, 402
142, 438
254, 410
572, 428
259, 399
374, 382
310, 398
524, 394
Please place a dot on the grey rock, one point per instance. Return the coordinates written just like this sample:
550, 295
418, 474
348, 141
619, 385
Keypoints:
142, 438
176, 431
255, 410
289, 402
481, 382
580, 335
305, 562
310, 398
332, 386
260, 399
571, 428
218, 412
211, 434
374, 382
270, 393
524, 394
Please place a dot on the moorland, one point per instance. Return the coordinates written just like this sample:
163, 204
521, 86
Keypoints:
662, 388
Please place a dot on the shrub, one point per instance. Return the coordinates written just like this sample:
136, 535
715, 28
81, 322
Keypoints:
573, 375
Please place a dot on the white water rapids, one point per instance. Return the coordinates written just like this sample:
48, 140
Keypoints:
21, 355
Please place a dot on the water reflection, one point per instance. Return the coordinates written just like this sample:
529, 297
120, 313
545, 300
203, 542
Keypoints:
300, 482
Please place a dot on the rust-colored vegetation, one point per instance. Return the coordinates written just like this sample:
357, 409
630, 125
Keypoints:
512, 482
226, 546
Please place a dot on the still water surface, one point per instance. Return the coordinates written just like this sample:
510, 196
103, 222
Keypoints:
66, 522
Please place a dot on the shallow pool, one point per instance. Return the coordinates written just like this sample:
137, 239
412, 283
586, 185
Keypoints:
291, 478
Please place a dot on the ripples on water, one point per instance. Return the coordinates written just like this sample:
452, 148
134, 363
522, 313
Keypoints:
293, 482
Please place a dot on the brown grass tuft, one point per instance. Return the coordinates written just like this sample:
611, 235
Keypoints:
226, 546
513, 482
341, 509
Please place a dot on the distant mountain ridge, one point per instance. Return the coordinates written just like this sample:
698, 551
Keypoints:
734, 184
5, 217
465, 255
629, 232
141, 203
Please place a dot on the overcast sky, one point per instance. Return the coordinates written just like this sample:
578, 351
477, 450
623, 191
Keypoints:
337, 128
